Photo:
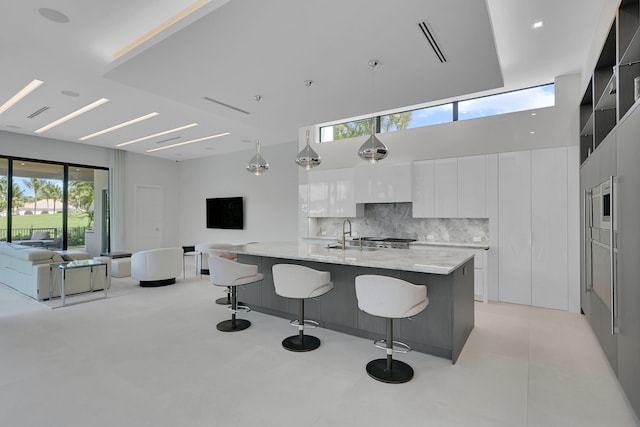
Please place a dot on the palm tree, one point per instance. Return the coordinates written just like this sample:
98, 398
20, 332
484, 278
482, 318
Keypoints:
52, 191
36, 185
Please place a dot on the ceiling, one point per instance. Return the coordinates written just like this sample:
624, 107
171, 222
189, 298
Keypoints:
231, 50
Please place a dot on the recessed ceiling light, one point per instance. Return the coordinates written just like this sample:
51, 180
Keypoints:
70, 93
537, 25
73, 115
189, 142
21, 94
121, 125
160, 28
53, 15
534, 114
122, 144
532, 132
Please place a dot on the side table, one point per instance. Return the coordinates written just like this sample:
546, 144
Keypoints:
63, 267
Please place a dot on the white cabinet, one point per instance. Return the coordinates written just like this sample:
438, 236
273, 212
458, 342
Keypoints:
445, 176
423, 189
472, 187
383, 183
450, 188
514, 228
532, 230
549, 254
331, 193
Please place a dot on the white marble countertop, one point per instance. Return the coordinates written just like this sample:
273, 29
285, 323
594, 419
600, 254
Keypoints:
435, 262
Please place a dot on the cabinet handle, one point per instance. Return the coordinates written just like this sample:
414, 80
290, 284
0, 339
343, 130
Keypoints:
612, 256
587, 239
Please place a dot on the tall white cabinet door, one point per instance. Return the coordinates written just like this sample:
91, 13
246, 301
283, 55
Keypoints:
549, 254
514, 229
472, 187
445, 174
346, 206
423, 189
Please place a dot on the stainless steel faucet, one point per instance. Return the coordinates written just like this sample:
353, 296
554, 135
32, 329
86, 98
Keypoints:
344, 233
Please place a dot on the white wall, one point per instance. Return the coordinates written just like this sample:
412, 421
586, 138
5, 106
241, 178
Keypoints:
33, 147
271, 202
147, 170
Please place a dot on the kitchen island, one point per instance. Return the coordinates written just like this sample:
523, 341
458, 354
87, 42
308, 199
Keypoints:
441, 329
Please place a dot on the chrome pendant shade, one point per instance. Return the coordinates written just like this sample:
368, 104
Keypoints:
257, 165
308, 158
373, 150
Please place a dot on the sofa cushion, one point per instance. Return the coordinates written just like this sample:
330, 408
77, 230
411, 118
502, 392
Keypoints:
73, 254
33, 254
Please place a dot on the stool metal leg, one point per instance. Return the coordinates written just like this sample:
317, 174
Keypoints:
301, 342
389, 370
227, 300
234, 324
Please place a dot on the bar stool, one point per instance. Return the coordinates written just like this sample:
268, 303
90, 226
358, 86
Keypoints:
213, 252
224, 272
390, 298
298, 281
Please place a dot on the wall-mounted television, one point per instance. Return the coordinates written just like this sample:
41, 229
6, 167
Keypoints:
225, 212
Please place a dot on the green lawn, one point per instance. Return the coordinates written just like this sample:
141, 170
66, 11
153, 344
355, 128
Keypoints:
48, 221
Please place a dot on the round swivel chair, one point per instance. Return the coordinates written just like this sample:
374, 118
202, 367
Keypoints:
224, 272
390, 298
300, 282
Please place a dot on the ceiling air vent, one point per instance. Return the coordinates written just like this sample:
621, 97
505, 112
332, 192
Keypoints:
428, 34
38, 112
215, 101
168, 139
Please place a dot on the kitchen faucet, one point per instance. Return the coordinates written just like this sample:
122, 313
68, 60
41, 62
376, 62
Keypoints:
344, 233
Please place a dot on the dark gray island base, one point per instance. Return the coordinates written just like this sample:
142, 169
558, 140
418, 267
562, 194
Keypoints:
441, 329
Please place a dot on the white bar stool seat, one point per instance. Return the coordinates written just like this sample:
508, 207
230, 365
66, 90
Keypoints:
300, 282
224, 272
390, 298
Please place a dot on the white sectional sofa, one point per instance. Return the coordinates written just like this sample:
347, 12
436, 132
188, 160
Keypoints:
26, 269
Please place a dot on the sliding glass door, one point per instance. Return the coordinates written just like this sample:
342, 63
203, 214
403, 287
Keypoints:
53, 205
37, 214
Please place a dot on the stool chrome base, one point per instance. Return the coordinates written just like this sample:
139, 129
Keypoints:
300, 344
400, 372
228, 325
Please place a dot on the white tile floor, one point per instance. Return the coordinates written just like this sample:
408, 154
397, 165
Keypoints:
153, 357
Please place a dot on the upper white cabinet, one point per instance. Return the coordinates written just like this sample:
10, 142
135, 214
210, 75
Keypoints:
383, 183
450, 188
331, 193
423, 189
472, 187
445, 177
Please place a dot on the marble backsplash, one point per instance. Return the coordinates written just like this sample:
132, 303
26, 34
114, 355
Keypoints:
396, 220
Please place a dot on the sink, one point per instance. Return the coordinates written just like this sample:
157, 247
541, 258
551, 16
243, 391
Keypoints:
352, 248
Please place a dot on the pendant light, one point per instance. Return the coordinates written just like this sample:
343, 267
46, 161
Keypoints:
257, 165
308, 158
373, 150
